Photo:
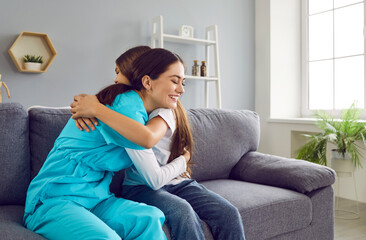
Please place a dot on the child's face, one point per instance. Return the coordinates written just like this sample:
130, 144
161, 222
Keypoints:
120, 78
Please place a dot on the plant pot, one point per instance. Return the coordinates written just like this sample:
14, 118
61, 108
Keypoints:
342, 163
32, 66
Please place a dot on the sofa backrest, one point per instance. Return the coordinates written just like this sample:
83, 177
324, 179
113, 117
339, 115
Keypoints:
45, 125
14, 154
221, 138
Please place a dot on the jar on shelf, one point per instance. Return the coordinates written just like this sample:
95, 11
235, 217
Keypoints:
203, 69
195, 68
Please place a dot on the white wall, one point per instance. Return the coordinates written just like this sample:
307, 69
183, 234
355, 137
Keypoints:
277, 84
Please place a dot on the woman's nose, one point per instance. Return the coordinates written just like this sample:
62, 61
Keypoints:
180, 88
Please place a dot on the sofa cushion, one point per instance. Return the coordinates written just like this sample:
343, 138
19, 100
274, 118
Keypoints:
293, 174
221, 138
266, 211
45, 125
11, 227
14, 153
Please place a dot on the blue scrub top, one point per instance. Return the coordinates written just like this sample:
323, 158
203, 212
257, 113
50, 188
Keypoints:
81, 164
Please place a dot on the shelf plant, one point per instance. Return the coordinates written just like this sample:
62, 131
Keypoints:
32, 62
33, 58
342, 133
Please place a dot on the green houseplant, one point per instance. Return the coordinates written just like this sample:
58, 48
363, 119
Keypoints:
33, 58
343, 133
32, 62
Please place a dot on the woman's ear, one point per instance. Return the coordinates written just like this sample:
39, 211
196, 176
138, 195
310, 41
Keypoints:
146, 82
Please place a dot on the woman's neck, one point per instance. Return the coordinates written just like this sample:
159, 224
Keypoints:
147, 104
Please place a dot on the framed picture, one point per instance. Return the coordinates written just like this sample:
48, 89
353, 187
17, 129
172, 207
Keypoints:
186, 31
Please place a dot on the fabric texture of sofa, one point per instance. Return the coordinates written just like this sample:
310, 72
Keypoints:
278, 198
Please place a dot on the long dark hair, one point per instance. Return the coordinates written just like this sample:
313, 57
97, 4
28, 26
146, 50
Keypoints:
124, 62
151, 62
182, 138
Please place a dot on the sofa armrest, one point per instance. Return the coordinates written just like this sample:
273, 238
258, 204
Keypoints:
299, 175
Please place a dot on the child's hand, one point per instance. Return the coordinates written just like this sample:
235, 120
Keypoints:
187, 155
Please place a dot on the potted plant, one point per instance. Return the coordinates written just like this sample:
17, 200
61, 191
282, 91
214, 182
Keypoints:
343, 133
32, 62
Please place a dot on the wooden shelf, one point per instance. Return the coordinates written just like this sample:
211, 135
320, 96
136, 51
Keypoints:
202, 78
187, 40
32, 43
158, 37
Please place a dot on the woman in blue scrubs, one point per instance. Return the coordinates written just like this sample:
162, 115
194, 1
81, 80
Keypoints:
70, 197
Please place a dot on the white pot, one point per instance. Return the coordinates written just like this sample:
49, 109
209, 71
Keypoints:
342, 163
32, 66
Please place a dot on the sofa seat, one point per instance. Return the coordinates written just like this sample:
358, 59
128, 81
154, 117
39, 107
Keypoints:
11, 224
266, 211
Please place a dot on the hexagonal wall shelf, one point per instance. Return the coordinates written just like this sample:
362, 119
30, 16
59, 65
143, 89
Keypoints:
32, 43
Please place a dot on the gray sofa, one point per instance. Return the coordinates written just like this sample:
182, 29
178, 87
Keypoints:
278, 198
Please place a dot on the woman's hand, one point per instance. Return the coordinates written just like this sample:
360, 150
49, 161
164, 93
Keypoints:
78, 108
85, 106
86, 123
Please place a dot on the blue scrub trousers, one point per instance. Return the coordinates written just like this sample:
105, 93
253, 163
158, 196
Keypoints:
113, 218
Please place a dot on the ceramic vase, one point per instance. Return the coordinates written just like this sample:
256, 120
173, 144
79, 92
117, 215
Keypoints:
342, 163
32, 66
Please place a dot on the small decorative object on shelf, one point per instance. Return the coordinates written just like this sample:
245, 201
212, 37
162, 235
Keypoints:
6, 88
34, 43
195, 68
186, 31
32, 62
203, 69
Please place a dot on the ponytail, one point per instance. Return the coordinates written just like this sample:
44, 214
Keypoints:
182, 138
107, 95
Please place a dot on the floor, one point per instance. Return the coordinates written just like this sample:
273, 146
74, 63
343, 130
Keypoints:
346, 229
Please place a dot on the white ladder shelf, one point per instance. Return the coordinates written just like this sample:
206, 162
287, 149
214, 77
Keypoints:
157, 35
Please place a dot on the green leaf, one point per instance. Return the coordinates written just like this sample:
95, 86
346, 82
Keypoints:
343, 134
33, 58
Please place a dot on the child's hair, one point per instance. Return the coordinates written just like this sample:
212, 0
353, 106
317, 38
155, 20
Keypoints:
182, 138
107, 95
125, 61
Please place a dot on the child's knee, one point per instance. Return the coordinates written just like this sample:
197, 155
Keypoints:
182, 212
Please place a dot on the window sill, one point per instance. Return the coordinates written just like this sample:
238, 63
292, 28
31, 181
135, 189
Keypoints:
310, 121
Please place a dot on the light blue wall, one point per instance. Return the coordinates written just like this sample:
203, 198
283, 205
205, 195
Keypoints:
90, 34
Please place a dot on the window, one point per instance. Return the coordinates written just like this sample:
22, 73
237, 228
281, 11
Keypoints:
333, 55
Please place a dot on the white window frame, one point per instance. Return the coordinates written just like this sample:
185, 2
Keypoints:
305, 111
